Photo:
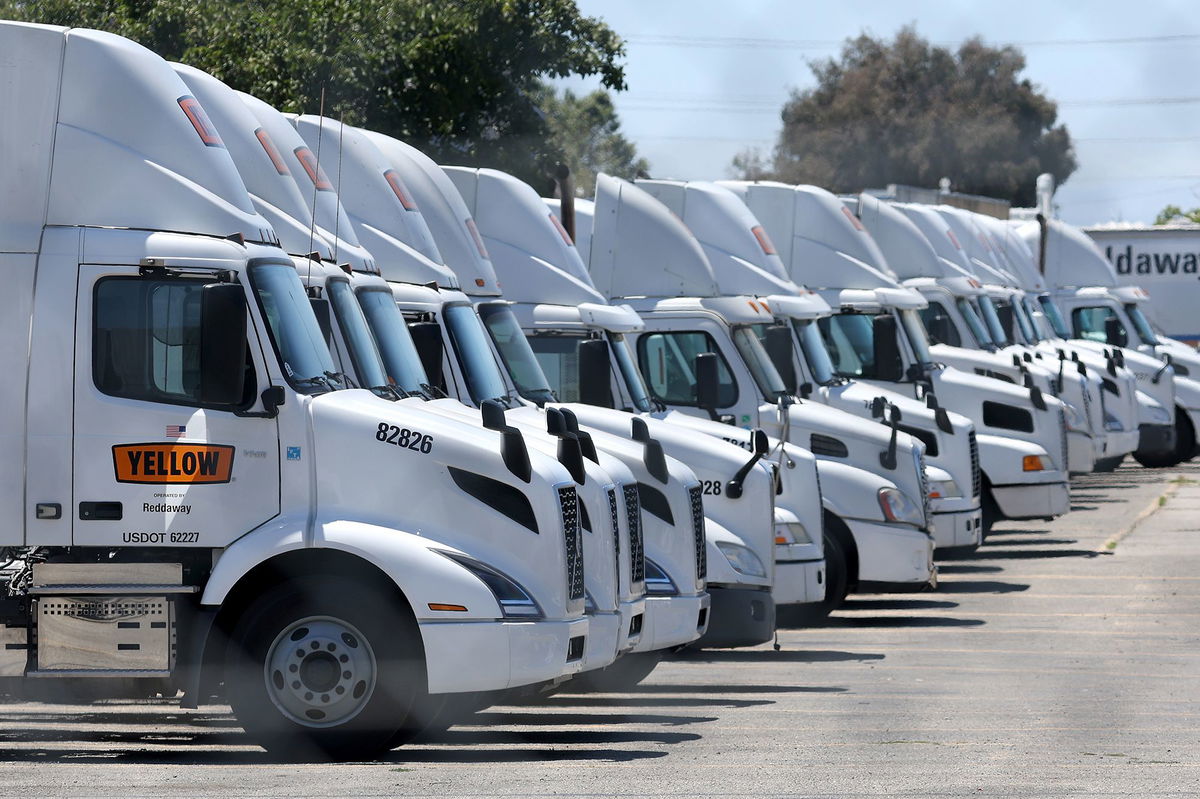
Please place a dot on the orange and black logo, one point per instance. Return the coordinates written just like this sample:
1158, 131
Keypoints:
173, 463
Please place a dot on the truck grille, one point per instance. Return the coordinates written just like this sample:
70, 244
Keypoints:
637, 555
614, 516
976, 482
924, 478
696, 501
1062, 429
568, 503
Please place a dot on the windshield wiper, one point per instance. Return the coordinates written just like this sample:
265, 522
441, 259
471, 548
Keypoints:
318, 381
339, 377
433, 391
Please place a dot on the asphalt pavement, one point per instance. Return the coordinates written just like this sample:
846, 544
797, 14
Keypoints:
1062, 658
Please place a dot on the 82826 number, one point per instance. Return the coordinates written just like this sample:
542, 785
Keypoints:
403, 437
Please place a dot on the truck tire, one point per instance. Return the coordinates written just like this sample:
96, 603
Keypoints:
837, 584
317, 668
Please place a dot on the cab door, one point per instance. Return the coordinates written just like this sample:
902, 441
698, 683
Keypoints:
153, 465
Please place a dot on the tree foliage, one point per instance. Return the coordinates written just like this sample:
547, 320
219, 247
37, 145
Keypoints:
459, 80
906, 111
1174, 215
586, 132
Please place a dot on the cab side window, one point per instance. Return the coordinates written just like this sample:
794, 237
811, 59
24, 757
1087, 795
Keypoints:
668, 363
940, 325
146, 340
1092, 323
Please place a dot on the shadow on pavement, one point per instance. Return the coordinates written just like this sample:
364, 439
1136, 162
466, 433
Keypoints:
623, 700
662, 688
951, 567
458, 754
901, 621
980, 587
1033, 554
897, 604
518, 719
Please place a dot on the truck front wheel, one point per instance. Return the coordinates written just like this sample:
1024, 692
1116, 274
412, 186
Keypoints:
317, 668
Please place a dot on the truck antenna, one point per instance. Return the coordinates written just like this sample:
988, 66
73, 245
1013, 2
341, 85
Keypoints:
312, 225
338, 218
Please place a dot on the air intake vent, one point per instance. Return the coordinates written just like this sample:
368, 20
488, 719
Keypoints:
568, 503
1062, 427
614, 516
697, 506
827, 446
976, 482
510, 501
637, 557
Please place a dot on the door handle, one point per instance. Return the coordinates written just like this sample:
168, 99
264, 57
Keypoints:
100, 511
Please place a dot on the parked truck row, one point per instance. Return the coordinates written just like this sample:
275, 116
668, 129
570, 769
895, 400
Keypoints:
302, 421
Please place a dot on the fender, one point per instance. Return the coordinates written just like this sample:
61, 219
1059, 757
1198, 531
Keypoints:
1002, 463
845, 491
420, 574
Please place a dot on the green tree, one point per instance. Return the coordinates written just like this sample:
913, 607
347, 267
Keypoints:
1174, 215
585, 132
459, 80
906, 111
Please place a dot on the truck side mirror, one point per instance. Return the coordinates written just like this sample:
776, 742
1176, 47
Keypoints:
595, 380
708, 387
427, 336
780, 347
222, 344
1114, 333
889, 364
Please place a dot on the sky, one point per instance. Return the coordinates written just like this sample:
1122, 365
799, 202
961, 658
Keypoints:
707, 79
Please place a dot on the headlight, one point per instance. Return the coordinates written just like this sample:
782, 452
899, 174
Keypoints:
1075, 418
897, 507
742, 559
514, 600
943, 489
1159, 415
1033, 463
791, 533
657, 581
1112, 424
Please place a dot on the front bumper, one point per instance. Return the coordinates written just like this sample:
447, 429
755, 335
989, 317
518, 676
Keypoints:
892, 553
1032, 500
494, 655
1081, 452
1154, 439
1121, 442
798, 582
741, 616
672, 621
600, 650
958, 529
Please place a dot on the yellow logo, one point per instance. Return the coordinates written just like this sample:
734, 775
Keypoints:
173, 463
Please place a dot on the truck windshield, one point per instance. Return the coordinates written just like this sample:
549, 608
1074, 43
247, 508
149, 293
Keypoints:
522, 364
1028, 328
629, 372
1141, 323
918, 339
850, 342
988, 311
974, 323
759, 362
1057, 323
815, 354
400, 356
364, 355
484, 380
295, 333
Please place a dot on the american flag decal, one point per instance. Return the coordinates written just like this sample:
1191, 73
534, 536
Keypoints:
176, 430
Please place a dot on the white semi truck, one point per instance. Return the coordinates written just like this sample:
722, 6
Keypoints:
579, 342
876, 335
703, 362
271, 156
733, 536
745, 262
184, 494
953, 325
1103, 316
